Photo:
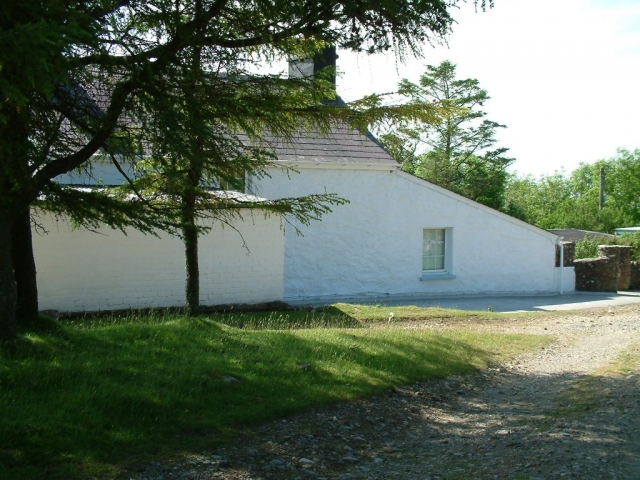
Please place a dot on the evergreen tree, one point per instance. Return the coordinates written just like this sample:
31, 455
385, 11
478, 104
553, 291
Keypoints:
455, 152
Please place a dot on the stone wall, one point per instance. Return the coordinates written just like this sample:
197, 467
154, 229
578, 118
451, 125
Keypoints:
634, 268
596, 274
568, 255
608, 273
624, 268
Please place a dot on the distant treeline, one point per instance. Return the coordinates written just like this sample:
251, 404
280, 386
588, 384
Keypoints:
562, 200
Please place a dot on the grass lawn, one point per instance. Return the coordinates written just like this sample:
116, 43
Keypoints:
88, 397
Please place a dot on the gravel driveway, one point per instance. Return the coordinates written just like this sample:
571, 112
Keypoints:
514, 421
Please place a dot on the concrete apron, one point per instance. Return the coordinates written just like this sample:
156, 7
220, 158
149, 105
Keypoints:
510, 304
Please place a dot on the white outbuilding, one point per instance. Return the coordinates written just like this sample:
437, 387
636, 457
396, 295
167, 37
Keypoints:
399, 237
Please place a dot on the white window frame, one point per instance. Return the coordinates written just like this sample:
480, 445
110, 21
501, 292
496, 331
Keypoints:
440, 273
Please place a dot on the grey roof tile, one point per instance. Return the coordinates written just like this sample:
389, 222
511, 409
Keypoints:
341, 144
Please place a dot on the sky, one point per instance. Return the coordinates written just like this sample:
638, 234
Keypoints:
563, 76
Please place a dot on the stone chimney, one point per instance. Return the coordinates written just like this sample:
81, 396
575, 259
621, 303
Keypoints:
308, 67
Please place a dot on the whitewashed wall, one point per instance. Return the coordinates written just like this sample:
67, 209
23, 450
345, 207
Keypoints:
565, 279
81, 270
372, 247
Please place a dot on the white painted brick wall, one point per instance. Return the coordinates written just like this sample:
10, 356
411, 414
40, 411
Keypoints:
80, 270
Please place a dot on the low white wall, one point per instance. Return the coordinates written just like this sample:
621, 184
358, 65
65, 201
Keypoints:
79, 270
373, 246
566, 276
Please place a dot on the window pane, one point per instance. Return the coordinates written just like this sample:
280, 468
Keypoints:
433, 249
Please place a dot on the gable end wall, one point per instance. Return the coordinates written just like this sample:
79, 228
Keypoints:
372, 246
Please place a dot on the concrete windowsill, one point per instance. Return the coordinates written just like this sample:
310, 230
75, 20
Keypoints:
436, 276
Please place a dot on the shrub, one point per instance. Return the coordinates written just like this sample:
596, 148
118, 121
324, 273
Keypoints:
588, 247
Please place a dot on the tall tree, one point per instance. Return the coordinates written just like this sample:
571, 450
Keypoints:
456, 152
53, 120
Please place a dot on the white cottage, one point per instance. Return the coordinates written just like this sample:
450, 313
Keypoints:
400, 236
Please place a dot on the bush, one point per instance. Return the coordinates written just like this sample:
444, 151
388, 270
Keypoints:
588, 247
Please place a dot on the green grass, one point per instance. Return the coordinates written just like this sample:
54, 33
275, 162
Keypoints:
89, 397
353, 316
628, 362
377, 313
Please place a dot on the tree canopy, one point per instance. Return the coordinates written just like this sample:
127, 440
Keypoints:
112, 77
572, 200
456, 152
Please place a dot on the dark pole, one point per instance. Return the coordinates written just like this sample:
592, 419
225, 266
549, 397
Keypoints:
601, 187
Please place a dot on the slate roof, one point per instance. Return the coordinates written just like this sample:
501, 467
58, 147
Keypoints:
575, 235
341, 145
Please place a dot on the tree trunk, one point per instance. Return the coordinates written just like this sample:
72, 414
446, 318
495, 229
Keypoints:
194, 176
24, 268
8, 319
190, 234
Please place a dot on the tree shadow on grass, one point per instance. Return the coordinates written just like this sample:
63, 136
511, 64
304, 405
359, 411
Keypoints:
81, 404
